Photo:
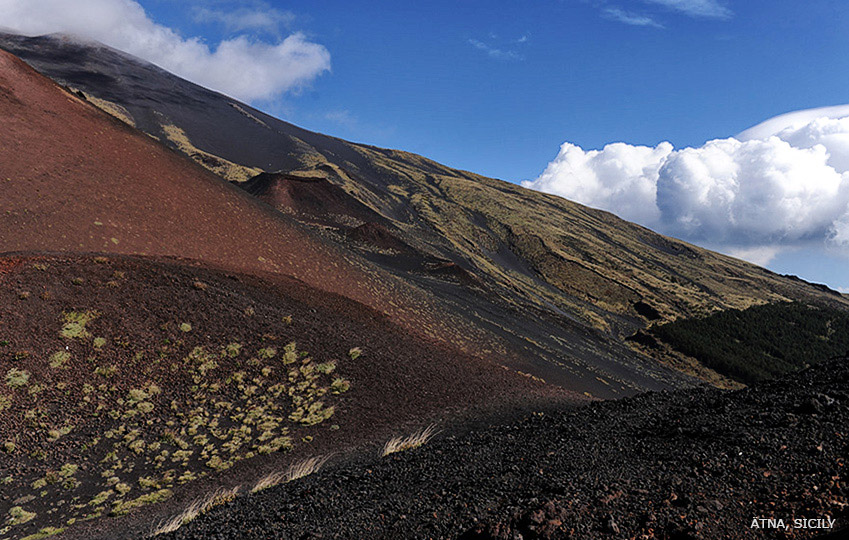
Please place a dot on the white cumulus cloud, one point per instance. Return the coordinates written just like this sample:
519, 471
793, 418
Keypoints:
781, 184
242, 67
761, 255
749, 192
620, 176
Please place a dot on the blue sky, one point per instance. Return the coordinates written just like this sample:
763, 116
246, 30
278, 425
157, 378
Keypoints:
497, 87
407, 75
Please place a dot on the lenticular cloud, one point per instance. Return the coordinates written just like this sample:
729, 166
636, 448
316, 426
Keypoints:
783, 183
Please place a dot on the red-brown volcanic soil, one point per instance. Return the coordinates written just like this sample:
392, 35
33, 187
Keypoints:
400, 383
76, 180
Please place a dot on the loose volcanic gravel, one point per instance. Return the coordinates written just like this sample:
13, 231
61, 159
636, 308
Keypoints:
171, 325
699, 464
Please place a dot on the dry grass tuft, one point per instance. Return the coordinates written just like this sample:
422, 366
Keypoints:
298, 470
111, 108
195, 509
399, 444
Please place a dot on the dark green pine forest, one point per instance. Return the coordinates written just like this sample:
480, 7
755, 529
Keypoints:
761, 342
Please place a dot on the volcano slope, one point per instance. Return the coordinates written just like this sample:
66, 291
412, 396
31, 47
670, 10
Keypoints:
104, 367
563, 284
697, 464
76, 180
126, 382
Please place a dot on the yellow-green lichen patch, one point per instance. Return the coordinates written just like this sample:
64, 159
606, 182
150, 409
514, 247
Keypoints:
209, 403
17, 515
75, 323
16, 378
59, 359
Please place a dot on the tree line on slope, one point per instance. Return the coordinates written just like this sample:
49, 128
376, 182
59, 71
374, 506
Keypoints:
761, 342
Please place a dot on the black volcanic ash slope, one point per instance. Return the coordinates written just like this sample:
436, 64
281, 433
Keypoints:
684, 465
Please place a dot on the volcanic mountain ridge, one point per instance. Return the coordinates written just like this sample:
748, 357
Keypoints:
559, 284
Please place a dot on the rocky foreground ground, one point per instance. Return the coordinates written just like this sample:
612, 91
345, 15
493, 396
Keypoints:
697, 464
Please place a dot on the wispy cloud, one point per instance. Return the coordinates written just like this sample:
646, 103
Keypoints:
633, 19
352, 126
495, 52
711, 9
261, 18
706, 9
343, 118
